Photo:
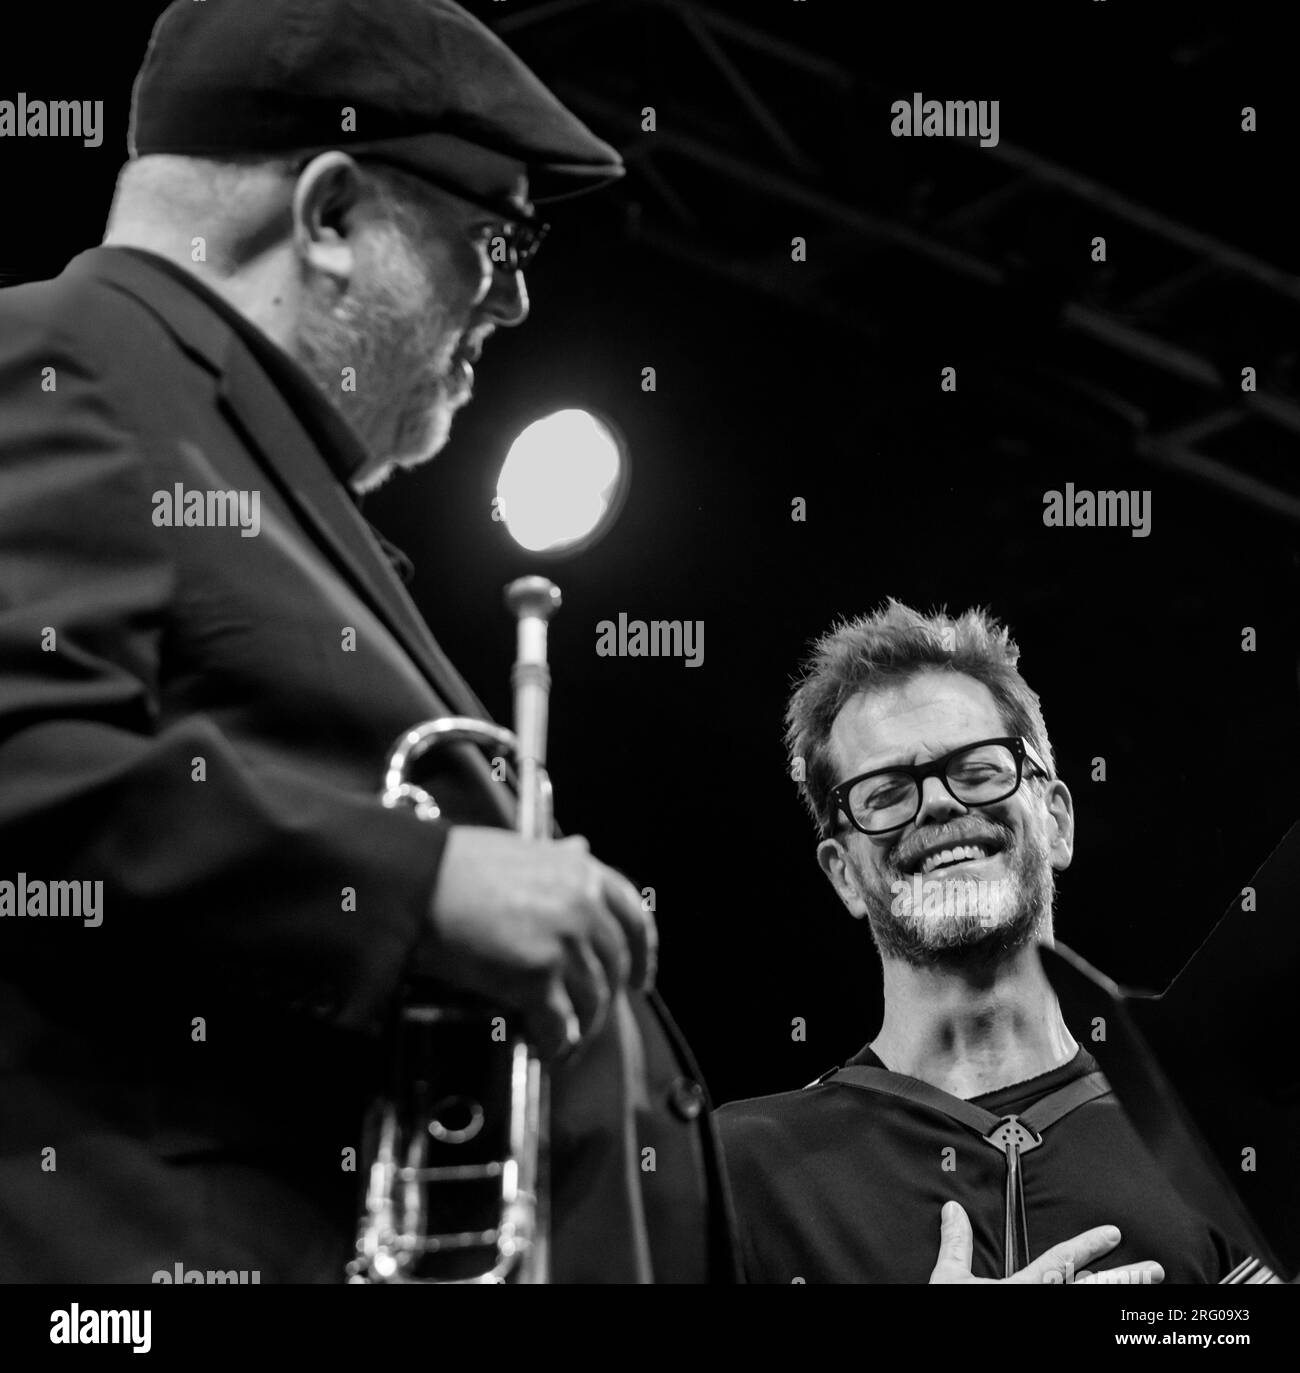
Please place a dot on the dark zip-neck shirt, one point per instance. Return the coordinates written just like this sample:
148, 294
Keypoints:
836, 1184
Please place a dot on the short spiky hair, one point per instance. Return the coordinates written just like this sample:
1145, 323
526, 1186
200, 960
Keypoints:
883, 649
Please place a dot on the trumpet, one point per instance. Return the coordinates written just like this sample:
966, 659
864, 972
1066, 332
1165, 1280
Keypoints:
456, 1154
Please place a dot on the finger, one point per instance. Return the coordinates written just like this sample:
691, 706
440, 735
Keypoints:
1063, 1262
624, 903
956, 1245
575, 841
553, 1026
588, 986
1144, 1273
609, 944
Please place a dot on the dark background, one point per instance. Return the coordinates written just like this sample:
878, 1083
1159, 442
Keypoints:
821, 379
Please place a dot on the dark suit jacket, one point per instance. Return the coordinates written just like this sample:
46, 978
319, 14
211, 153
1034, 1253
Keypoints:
179, 720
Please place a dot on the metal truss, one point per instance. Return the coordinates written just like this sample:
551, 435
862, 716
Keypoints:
744, 144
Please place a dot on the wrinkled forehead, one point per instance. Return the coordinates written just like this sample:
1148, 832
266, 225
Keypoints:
912, 721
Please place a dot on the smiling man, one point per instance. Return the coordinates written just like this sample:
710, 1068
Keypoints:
928, 771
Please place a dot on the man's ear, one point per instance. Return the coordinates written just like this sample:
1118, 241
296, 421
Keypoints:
1060, 820
833, 859
327, 192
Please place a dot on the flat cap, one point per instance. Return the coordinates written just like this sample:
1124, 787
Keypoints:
421, 83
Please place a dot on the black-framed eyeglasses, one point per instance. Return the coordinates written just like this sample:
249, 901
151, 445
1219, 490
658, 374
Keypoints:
976, 774
521, 233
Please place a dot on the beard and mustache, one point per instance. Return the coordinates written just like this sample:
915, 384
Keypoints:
960, 936
390, 330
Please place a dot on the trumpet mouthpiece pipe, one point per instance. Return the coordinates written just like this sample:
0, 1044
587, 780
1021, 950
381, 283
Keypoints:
533, 600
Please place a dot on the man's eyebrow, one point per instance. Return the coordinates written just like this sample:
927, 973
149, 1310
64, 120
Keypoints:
518, 199
909, 760
509, 211
879, 767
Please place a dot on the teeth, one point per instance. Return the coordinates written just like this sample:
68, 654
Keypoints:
958, 855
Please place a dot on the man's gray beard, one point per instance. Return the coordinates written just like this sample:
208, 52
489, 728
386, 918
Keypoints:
962, 941
372, 331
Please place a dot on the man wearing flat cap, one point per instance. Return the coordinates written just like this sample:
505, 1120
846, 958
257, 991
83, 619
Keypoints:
206, 654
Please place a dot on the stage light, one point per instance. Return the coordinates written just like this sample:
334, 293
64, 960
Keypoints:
562, 482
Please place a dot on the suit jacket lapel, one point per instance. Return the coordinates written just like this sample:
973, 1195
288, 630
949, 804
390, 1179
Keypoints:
284, 448
307, 482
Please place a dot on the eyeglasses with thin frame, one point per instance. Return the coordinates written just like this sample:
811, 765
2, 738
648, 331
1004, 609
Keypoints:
978, 774
522, 233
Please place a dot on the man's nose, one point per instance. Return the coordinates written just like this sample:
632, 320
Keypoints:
937, 803
507, 299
